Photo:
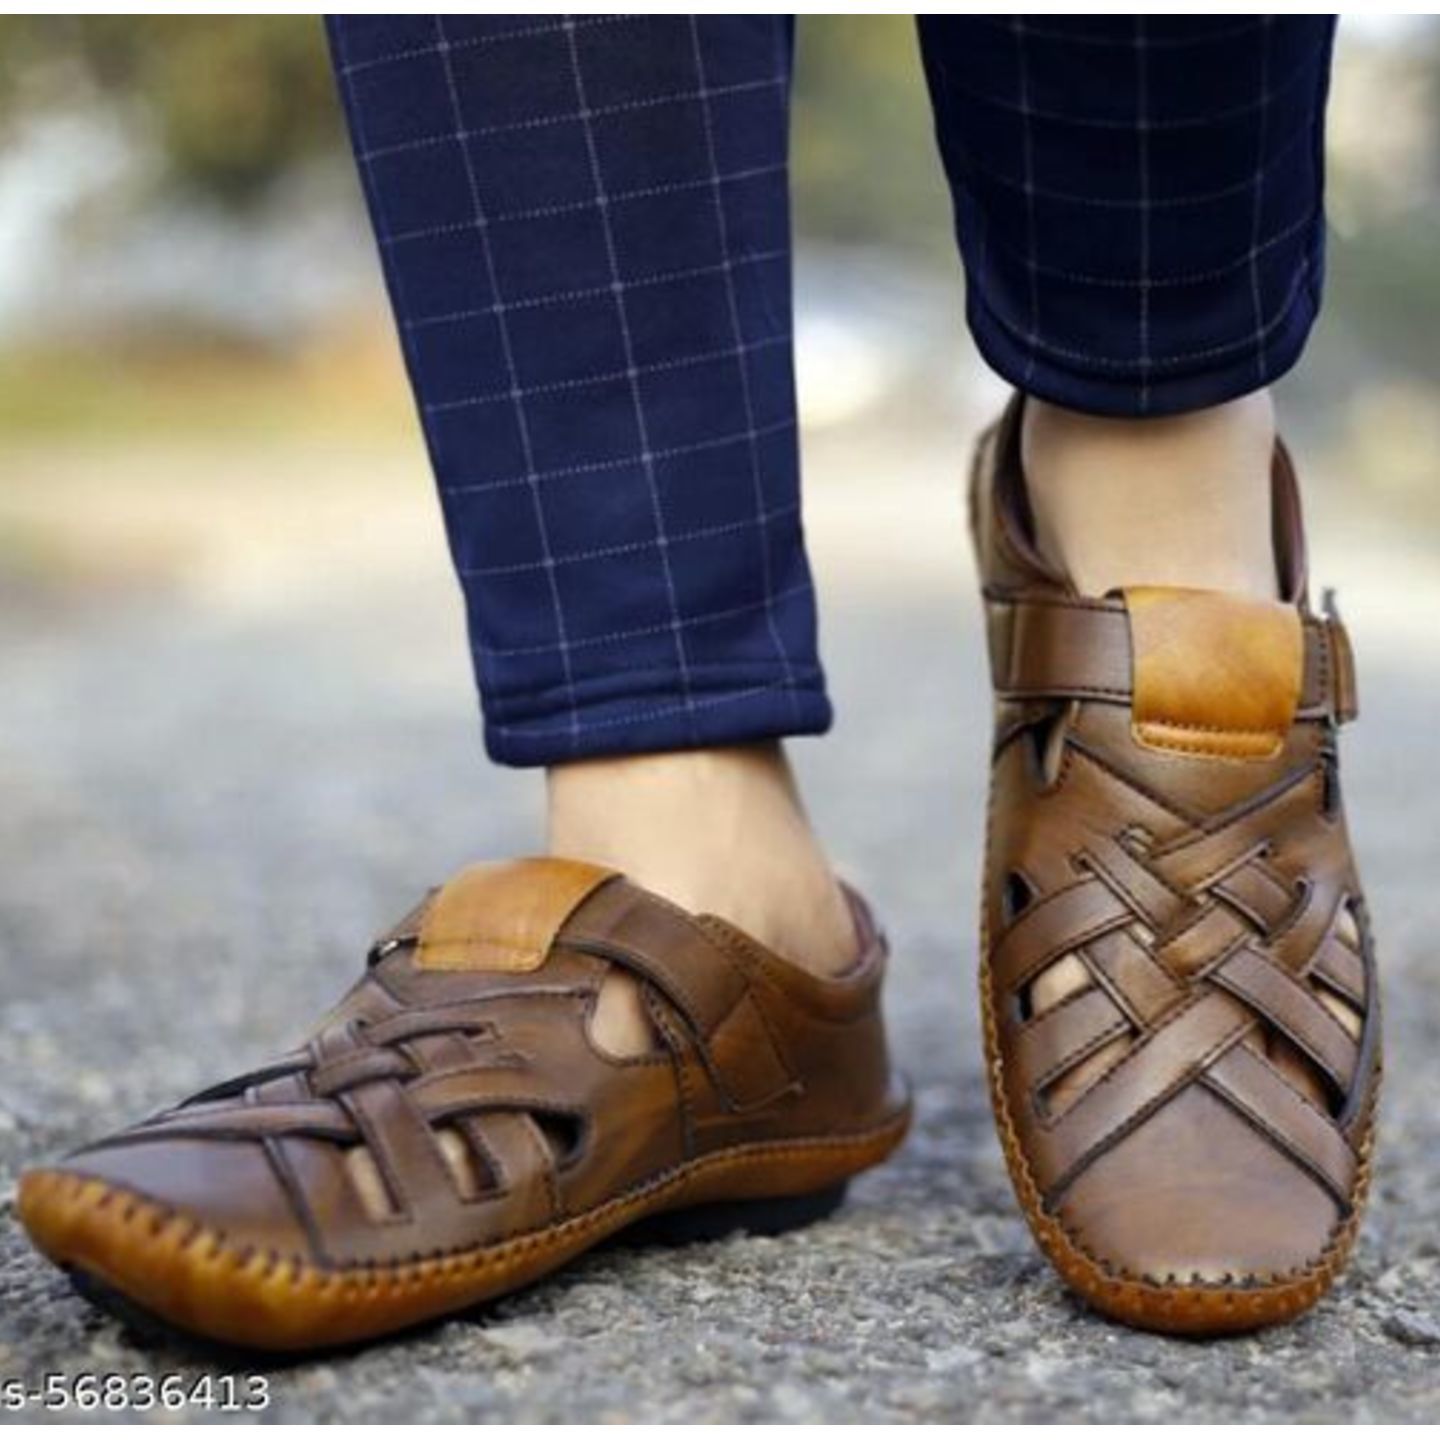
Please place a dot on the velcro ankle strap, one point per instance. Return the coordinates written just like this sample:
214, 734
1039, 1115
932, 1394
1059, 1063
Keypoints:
664, 945
1065, 648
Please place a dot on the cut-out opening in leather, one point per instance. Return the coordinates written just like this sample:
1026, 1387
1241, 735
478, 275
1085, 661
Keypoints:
1347, 928
1062, 1091
1301, 889
1046, 746
1330, 783
369, 1185
1021, 1002
1076, 1074
1297, 1067
470, 1174
564, 1134
1350, 933
1300, 1070
620, 1025
233, 1088
1062, 982
471, 1177
1333, 992
1061, 978
1016, 894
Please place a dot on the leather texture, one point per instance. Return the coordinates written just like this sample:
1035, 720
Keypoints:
1189, 1126
452, 1129
1217, 675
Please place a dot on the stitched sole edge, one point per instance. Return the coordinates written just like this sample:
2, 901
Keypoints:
186, 1274
1197, 1310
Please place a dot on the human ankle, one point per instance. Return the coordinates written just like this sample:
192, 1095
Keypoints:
1182, 500
721, 830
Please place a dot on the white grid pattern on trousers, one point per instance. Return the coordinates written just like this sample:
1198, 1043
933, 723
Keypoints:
584, 228
517, 394
1138, 198
602, 330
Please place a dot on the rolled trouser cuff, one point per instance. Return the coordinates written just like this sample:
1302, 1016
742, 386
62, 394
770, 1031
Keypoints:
1129, 391
1139, 199
654, 711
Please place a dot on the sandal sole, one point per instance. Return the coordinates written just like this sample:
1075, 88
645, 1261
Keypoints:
154, 1265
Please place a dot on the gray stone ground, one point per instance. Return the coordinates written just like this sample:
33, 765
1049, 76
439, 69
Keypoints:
211, 796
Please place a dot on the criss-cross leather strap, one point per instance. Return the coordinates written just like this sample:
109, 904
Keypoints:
1180, 997
461, 1075
1206, 974
453, 1061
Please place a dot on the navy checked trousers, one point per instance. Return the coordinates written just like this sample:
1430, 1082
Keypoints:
584, 228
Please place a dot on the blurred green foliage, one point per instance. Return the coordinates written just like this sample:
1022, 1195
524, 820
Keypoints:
866, 167
233, 100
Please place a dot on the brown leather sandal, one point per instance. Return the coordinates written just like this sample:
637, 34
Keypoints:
1178, 985
451, 1132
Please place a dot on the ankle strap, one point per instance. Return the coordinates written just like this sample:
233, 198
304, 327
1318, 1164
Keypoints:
1071, 648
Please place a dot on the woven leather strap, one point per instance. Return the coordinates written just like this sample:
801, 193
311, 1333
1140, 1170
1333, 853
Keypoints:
1191, 945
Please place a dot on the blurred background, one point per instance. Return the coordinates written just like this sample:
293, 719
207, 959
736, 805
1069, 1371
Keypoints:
238, 735
183, 258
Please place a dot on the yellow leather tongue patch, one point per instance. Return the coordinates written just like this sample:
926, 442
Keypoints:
1214, 674
503, 915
